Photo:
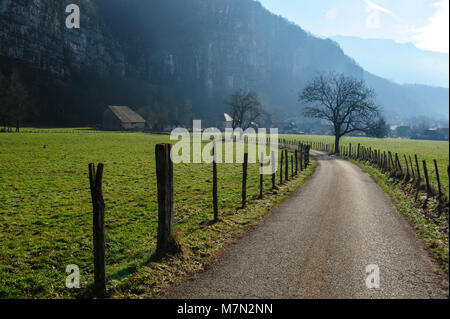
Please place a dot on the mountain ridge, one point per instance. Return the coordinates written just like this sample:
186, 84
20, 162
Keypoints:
406, 64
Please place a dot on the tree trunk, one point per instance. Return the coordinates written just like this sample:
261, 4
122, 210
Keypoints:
336, 144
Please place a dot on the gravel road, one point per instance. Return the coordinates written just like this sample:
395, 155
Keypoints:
318, 243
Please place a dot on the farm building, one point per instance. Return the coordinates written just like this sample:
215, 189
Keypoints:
122, 118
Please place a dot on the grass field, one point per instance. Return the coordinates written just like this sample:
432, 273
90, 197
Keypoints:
425, 150
46, 220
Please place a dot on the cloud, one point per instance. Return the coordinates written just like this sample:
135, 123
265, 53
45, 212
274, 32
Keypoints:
332, 14
434, 35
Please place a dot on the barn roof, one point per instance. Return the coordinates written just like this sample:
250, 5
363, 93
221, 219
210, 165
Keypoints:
126, 115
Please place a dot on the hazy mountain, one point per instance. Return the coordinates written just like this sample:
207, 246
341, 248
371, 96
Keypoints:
173, 59
402, 102
402, 63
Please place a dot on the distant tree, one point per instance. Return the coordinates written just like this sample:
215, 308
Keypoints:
381, 129
4, 112
19, 102
345, 102
245, 108
14, 101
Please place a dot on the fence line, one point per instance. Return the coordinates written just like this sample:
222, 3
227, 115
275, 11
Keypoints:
165, 186
389, 162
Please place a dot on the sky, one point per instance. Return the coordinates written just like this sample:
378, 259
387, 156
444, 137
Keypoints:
425, 23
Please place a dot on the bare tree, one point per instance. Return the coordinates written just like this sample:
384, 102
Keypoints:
343, 101
245, 108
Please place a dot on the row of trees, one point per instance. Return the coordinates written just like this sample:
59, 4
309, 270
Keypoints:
343, 101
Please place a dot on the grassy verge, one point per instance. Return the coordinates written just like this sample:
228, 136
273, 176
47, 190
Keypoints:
202, 245
431, 228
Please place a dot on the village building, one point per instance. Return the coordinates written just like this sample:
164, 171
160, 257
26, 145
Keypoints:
122, 118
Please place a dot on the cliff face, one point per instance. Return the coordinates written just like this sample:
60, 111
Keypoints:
205, 49
34, 31
176, 59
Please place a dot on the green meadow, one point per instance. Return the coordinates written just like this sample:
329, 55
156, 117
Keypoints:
46, 219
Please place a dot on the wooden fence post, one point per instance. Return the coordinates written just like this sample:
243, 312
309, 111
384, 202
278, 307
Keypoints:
308, 148
391, 162
244, 180
425, 172
164, 176
301, 157
418, 169
215, 200
292, 166
286, 161
98, 204
273, 171
261, 171
438, 179
296, 162
407, 168
399, 166
380, 159
412, 167
281, 167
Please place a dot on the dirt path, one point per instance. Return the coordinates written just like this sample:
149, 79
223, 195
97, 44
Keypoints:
318, 243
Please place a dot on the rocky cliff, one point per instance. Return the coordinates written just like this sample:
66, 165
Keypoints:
35, 31
176, 59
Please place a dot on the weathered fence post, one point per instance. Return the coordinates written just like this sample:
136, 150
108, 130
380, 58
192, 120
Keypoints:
399, 166
412, 167
425, 173
281, 167
286, 161
418, 169
380, 159
98, 204
164, 176
296, 162
244, 180
292, 166
407, 168
438, 179
391, 162
357, 155
273, 170
301, 157
215, 200
261, 171
308, 148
